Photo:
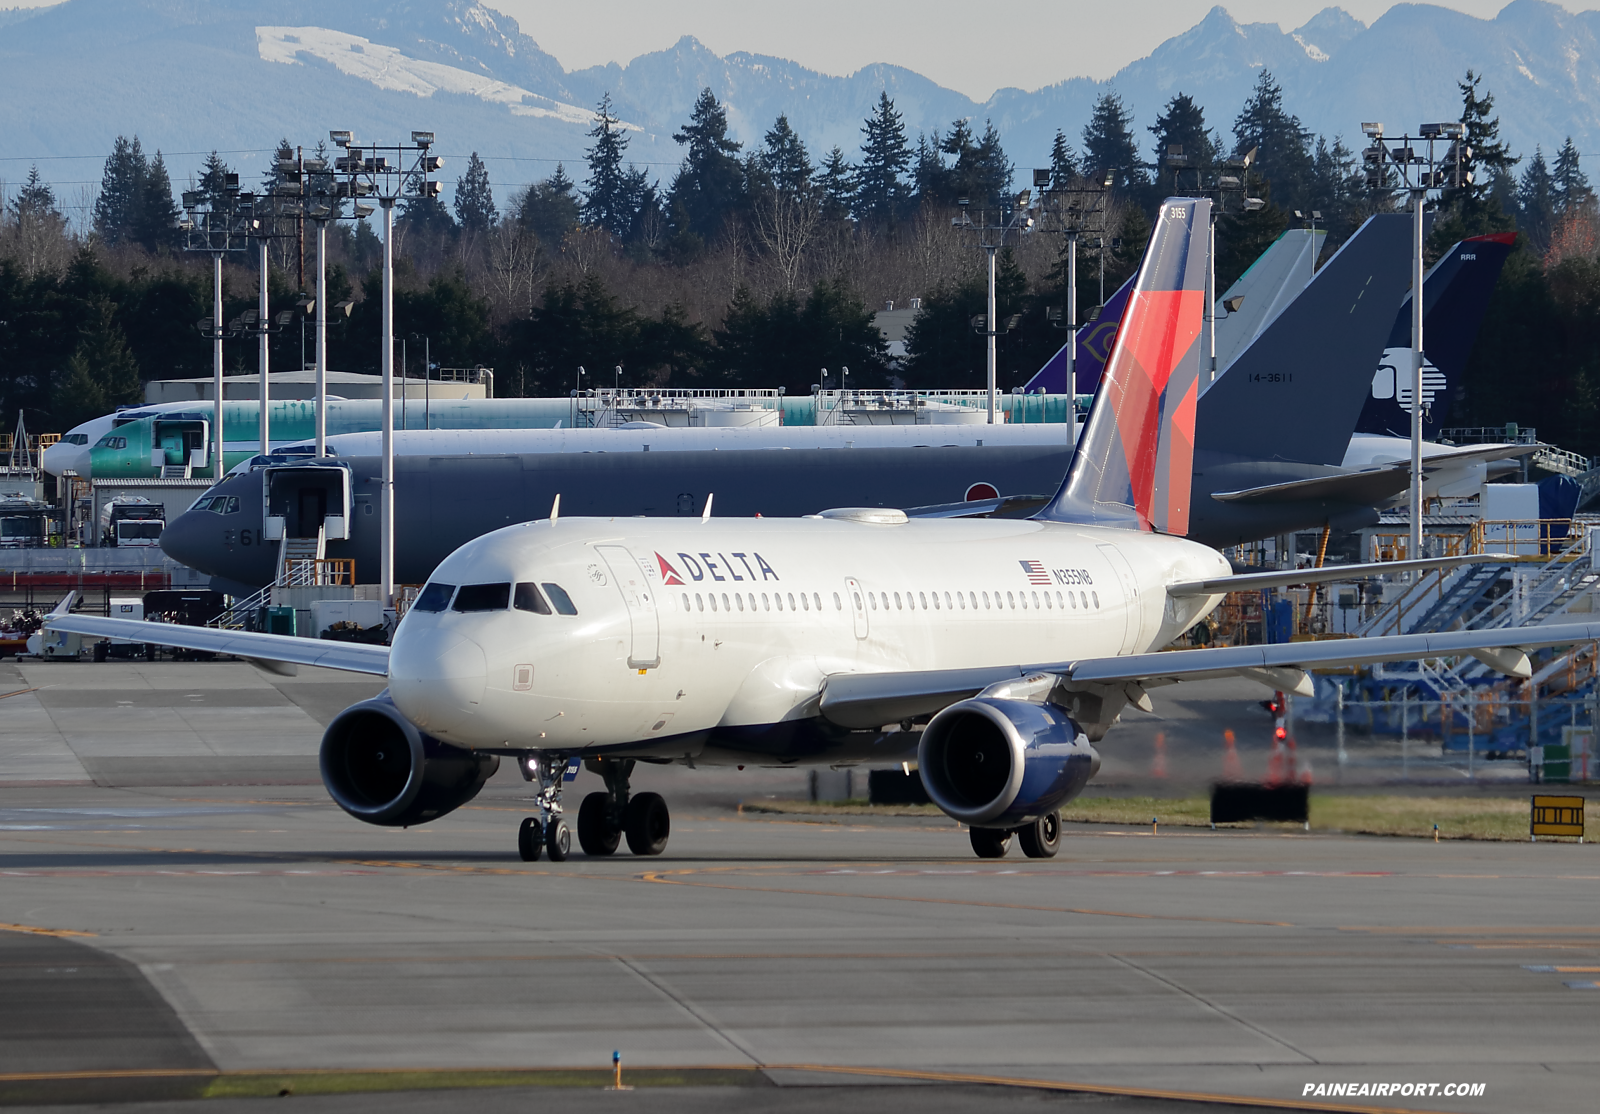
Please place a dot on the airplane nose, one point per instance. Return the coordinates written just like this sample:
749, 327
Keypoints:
187, 542
437, 678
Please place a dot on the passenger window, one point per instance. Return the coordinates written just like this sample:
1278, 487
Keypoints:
699, 602
559, 599
777, 598
1083, 599
712, 596
1096, 596
738, 599
986, 601
816, 598
1047, 604
725, 605
947, 604
897, 606
483, 597
766, 602
1011, 600
857, 596
527, 598
974, 598
435, 597
686, 601
791, 601
1036, 599
872, 598
936, 601
752, 601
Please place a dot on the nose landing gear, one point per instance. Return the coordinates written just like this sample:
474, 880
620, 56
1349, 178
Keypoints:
605, 818
547, 831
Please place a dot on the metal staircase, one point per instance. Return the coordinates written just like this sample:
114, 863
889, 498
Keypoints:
1460, 599
175, 471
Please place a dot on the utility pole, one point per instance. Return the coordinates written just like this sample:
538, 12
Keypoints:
217, 224
1079, 208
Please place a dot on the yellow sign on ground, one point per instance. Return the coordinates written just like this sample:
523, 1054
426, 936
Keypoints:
1556, 816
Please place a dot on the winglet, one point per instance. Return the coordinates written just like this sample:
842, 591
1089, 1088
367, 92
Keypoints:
705, 515
555, 509
1135, 460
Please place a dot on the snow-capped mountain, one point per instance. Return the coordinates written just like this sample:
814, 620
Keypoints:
191, 75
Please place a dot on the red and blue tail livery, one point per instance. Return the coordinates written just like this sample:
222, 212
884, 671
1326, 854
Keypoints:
1134, 462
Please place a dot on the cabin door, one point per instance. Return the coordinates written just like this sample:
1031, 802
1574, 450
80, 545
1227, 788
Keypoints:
638, 593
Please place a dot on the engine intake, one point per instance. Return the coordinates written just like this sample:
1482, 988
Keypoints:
379, 768
996, 763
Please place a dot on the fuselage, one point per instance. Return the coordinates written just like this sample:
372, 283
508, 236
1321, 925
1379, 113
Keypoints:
710, 641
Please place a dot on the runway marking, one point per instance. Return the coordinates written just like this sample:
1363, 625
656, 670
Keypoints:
19, 692
667, 877
1547, 970
1472, 930
1047, 872
35, 930
533, 1075
196, 872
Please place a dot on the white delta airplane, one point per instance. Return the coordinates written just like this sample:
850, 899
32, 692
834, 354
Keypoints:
993, 653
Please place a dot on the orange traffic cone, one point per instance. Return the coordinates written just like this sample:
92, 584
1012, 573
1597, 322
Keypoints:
1158, 761
1231, 770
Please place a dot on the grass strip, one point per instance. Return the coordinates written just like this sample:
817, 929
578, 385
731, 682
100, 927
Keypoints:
1483, 818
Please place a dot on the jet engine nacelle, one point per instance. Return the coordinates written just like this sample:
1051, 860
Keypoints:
381, 769
997, 763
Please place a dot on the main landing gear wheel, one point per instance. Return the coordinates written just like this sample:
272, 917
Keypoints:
558, 840
597, 834
647, 824
530, 839
990, 843
1042, 838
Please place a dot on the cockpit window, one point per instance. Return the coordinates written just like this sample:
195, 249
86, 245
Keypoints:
435, 597
111, 442
483, 597
527, 598
219, 504
76, 438
558, 596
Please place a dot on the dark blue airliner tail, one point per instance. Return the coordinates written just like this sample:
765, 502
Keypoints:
1456, 295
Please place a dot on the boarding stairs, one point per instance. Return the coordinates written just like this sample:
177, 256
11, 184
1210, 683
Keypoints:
300, 564
175, 472
1437, 601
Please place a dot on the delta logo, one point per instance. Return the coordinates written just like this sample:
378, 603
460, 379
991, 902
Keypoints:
712, 566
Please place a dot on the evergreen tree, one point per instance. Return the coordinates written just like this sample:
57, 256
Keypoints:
928, 172
837, 181
1536, 198
35, 201
1063, 162
550, 208
1182, 124
1567, 179
784, 160
607, 198
116, 210
881, 191
427, 215
156, 224
1108, 145
474, 203
213, 187
710, 183
787, 342
1489, 154
1336, 186
101, 373
981, 171
1283, 156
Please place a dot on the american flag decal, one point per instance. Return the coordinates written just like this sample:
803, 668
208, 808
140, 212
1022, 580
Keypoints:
1036, 572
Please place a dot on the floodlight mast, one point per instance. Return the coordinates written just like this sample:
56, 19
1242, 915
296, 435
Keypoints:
1077, 206
1418, 177
1011, 215
372, 173
212, 223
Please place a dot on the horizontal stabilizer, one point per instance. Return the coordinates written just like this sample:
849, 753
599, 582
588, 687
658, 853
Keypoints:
1368, 487
349, 656
1007, 506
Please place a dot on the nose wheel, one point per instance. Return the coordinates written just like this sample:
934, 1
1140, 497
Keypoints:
547, 832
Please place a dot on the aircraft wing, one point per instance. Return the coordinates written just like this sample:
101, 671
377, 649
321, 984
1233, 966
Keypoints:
266, 648
1283, 578
865, 700
1006, 506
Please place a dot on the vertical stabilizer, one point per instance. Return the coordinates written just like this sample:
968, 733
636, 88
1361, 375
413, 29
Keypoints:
1134, 462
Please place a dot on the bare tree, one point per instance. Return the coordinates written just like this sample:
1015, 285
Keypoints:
515, 267
785, 225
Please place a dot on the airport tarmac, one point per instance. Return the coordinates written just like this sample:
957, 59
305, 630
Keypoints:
204, 927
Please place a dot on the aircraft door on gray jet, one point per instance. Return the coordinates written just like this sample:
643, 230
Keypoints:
638, 593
